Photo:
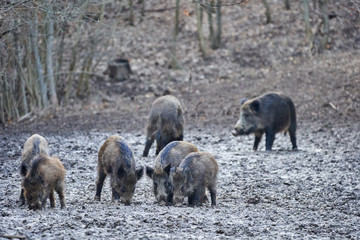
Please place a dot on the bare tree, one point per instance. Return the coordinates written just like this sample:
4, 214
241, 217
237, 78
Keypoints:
173, 63
308, 33
34, 26
267, 11
49, 53
199, 17
324, 29
287, 4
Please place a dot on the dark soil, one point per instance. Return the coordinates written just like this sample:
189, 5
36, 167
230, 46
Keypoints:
312, 193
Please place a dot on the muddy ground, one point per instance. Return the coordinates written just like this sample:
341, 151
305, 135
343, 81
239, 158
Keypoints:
312, 193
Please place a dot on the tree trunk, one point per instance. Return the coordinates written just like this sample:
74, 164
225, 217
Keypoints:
19, 70
199, 17
60, 53
72, 66
131, 16
308, 33
218, 20
210, 9
34, 39
173, 63
49, 61
287, 4
324, 29
268, 11
142, 2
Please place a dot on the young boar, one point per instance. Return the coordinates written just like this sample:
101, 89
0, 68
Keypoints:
165, 123
33, 146
46, 174
170, 156
116, 159
195, 173
270, 113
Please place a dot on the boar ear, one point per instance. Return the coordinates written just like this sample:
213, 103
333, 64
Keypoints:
243, 100
149, 171
121, 172
255, 105
167, 169
139, 172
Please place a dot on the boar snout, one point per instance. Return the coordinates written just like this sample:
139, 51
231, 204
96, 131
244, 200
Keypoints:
238, 131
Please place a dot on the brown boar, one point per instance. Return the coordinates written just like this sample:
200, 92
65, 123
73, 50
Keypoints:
45, 176
116, 159
195, 173
165, 123
270, 113
33, 146
170, 156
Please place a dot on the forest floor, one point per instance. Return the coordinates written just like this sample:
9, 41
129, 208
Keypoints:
312, 193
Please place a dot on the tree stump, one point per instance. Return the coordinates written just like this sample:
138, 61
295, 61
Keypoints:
118, 69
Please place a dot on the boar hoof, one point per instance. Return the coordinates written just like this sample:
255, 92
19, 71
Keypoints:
97, 198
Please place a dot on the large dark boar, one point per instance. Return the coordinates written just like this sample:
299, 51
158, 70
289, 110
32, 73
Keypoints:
165, 123
195, 173
46, 174
170, 156
270, 113
116, 159
33, 146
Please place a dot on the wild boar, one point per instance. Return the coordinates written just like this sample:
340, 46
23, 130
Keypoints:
195, 173
170, 156
45, 175
165, 123
270, 113
116, 159
33, 146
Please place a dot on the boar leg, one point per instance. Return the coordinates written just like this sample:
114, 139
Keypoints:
212, 191
43, 201
257, 140
148, 144
205, 199
115, 195
198, 197
99, 183
22, 198
169, 199
270, 137
191, 199
52, 199
60, 192
293, 138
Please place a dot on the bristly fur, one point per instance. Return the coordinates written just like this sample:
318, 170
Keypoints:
36, 146
35, 163
167, 150
186, 164
126, 153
